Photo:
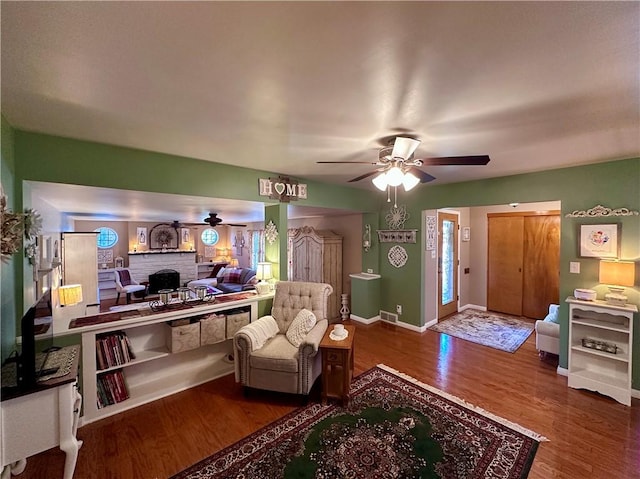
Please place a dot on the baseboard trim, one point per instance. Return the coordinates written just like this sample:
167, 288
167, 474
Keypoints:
412, 327
428, 324
365, 320
472, 306
562, 371
635, 393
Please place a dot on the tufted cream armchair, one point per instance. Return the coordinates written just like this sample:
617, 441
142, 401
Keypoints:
273, 363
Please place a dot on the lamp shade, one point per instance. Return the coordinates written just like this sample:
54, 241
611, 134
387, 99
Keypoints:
234, 263
70, 294
263, 271
618, 273
409, 181
395, 176
380, 181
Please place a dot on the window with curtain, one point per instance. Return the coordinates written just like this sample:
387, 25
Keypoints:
256, 248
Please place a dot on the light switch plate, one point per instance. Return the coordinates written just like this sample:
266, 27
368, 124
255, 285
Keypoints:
574, 267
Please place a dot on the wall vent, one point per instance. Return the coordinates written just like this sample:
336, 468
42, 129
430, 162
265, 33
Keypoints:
389, 317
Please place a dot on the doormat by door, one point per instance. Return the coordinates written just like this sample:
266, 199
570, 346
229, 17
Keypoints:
498, 331
393, 426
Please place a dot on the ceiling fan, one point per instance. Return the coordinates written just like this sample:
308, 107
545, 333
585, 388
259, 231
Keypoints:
211, 220
398, 166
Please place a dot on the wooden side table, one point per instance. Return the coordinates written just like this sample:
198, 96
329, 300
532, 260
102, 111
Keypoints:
337, 365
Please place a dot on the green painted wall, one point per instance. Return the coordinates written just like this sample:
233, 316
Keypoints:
276, 252
95, 164
365, 297
616, 184
612, 184
8, 269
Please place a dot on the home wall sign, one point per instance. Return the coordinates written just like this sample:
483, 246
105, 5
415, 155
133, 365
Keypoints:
282, 188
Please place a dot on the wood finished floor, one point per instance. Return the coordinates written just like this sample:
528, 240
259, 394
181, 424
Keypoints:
591, 436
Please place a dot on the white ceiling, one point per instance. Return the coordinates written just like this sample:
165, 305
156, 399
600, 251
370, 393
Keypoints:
280, 86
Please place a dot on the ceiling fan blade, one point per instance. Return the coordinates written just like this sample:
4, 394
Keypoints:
404, 147
456, 160
350, 162
362, 177
421, 175
234, 224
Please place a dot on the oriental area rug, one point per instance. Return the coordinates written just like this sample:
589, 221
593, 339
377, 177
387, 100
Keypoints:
495, 330
393, 427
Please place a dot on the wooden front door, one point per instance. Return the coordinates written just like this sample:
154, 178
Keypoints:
447, 264
504, 264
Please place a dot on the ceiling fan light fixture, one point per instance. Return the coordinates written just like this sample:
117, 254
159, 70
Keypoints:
380, 181
409, 181
395, 176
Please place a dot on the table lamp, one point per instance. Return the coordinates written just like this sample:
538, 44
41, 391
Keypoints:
234, 263
617, 274
70, 294
263, 273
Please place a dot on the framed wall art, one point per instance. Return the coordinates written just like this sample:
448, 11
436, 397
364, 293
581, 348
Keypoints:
599, 241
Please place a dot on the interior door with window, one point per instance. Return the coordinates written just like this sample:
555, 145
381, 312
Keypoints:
447, 264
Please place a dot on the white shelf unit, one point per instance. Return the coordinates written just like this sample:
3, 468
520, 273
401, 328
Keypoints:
156, 372
606, 373
107, 283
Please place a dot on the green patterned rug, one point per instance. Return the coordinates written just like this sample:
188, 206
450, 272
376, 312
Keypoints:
495, 330
393, 427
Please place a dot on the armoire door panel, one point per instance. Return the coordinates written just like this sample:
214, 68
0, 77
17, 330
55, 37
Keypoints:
541, 284
505, 256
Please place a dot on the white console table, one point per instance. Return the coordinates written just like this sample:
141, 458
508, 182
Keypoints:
155, 372
39, 419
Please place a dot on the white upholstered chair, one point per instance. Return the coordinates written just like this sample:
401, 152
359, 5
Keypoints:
548, 333
271, 362
126, 284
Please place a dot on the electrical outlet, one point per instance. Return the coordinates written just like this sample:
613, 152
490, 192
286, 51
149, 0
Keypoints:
369, 270
574, 267
399, 308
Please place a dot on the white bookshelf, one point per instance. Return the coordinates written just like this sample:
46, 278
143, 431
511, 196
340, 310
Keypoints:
593, 369
156, 372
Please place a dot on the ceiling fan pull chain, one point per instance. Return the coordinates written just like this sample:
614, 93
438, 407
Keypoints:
395, 196
388, 194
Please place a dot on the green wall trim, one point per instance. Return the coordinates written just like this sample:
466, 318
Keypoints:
276, 253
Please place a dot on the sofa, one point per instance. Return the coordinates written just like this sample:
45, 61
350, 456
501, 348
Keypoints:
229, 280
548, 333
280, 352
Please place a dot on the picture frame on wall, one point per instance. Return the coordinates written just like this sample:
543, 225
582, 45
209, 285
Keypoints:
186, 235
600, 241
141, 234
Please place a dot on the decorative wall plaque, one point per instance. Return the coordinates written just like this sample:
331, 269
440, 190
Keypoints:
397, 256
271, 232
600, 210
431, 233
397, 236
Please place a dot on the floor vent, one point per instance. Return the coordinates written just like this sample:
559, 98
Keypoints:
389, 317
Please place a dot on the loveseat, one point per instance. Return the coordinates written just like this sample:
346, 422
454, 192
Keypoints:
280, 352
548, 333
229, 280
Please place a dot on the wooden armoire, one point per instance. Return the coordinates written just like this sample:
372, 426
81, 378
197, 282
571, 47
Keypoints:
316, 256
523, 267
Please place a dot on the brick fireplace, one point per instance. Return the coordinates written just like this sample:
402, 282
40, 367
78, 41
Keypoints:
143, 265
